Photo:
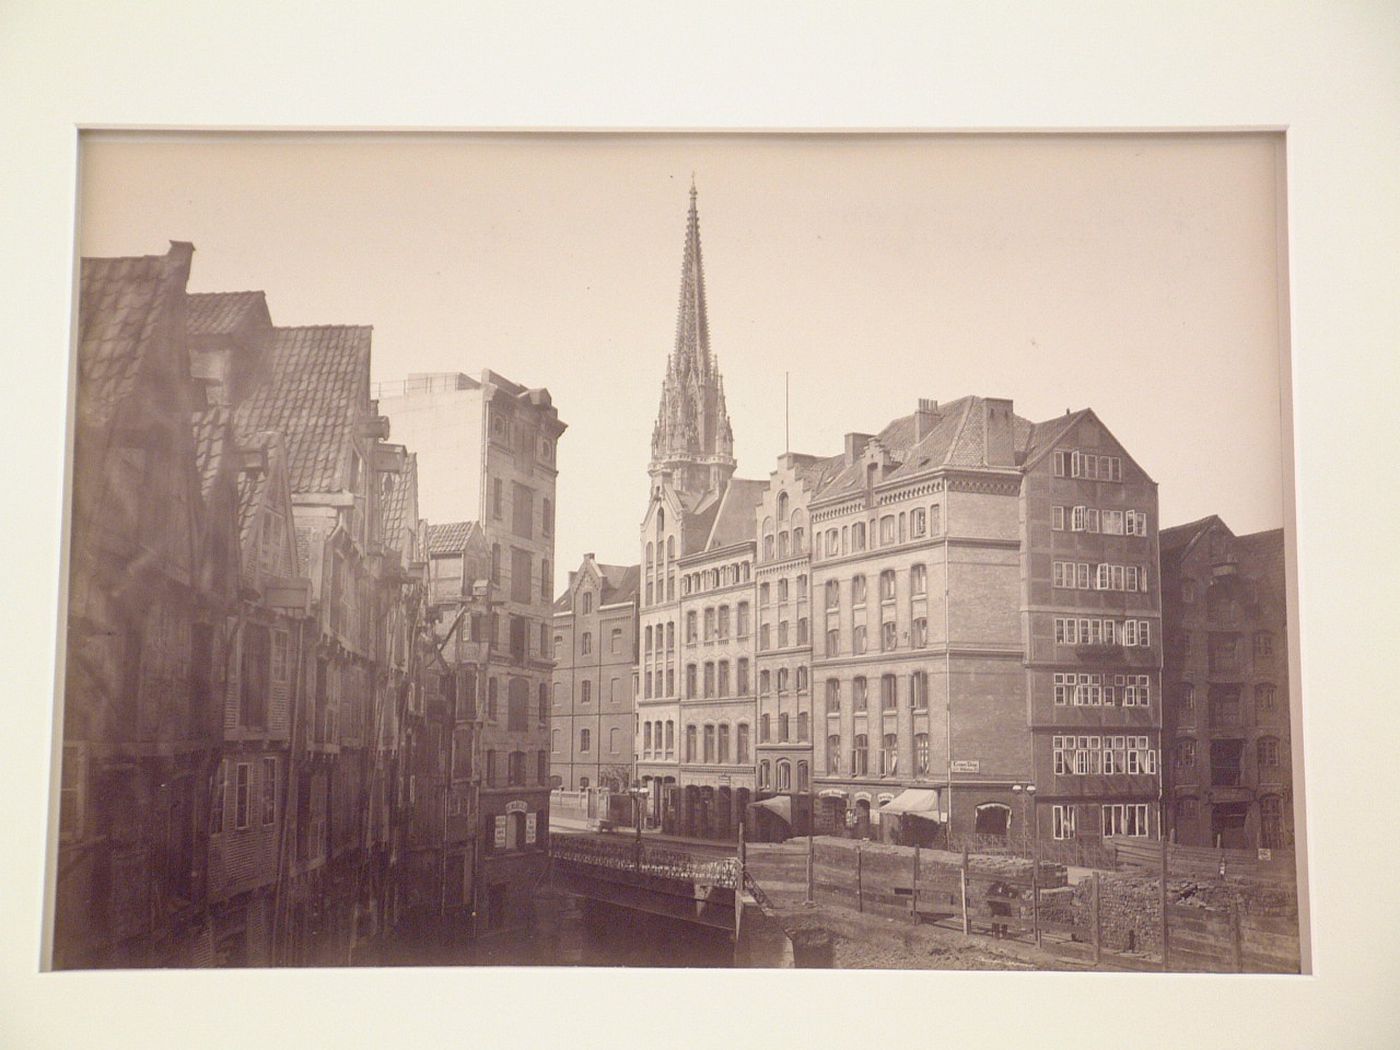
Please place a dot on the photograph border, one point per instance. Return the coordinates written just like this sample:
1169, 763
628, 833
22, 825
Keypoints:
1323, 158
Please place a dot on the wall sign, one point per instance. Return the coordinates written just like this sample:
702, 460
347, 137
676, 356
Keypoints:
501, 832
967, 765
516, 807
530, 828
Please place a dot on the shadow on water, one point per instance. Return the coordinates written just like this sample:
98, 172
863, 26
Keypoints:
570, 931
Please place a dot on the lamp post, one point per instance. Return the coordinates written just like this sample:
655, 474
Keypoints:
1026, 793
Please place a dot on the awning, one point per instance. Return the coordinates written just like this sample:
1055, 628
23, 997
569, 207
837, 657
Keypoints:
781, 805
915, 802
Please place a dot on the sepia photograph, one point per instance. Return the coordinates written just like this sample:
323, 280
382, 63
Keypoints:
767, 550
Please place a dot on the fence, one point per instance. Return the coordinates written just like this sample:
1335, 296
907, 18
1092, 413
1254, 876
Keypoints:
1273, 865
1110, 920
641, 859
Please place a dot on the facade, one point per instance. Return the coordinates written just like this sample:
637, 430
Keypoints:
1227, 745
593, 716
990, 624
493, 445
240, 633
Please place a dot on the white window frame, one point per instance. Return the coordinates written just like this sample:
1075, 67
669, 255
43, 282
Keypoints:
242, 795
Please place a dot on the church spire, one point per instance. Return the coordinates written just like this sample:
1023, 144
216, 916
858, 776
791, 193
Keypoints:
692, 444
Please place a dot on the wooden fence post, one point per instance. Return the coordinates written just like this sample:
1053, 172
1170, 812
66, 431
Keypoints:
963, 873
1098, 925
1035, 899
914, 890
860, 893
1163, 901
1236, 937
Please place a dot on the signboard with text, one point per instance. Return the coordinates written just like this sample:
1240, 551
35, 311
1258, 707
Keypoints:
967, 765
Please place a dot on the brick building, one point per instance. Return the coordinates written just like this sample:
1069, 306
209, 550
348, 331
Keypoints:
593, 717
1227, 735
486, 452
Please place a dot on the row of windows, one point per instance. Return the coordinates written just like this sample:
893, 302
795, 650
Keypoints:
887, 758
1101, 577
889, 637
1225, 704
785, 726
890, 529
1266, 751
1118, 818
516, 762
1071, 463
783, 780
522, 509
1092, 519
765, 592
713, 579
787, 545
1130, 633
710, 744
654, 744
615, 691
585, 641
916, 692
1095, 690
918, 587
585, 741
1107, 755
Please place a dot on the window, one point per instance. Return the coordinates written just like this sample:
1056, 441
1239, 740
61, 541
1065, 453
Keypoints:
709, 625
782, 634
763, 729
691, 627
859, 696
921, 754
613, 740
889, 693
1264, 644
858, 536
1187, 714
784, 775
690, 739
256, 666
242, 788
1186, 755
723, 684
858, 590
587, 602
554, 738
833, 696
1226, 762
1268, 752
496, 495
783, 724
918, 580
586, 691
522, 511
709, 679
1265, 700
742, 744
1062, 821
742, 627
1271, 832
269, 791
887, 585
802, 728
860, 755
547, 514
783, 676
490, 767
741, 685
889, 636
1223, 654
1057, 518
1125, 819
691, 681
918, 522
492, 692
887, 533
709, 743
918, 691
585, 740
722, 627
515, 768
889, 755
763, 777
542, 767
765, 682
858, 639
802, 679
585, 643
833, 641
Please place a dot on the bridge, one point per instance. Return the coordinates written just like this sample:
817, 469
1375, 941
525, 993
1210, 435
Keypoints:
691, 887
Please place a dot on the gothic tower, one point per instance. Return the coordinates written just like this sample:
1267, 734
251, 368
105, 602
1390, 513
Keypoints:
692, 445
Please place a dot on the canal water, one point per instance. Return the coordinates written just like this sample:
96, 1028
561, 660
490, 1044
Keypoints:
571, 931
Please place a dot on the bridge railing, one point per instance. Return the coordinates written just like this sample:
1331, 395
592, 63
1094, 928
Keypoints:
643, 859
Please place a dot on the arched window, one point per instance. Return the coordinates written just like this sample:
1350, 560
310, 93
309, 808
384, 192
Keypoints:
802, 730
887, 585
784, 775
543, 705
782, 506
670, 548
858, 536
782, 545
763, 777
660, 520
723, 758
554, 738
889, 755
859, 695
650, 553
585, 740
647, 635
670, 738
921, 754
691, 736
646, 738
833, 754
802, 777
613, 741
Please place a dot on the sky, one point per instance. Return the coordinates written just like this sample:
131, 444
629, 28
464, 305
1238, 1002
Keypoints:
1137, 275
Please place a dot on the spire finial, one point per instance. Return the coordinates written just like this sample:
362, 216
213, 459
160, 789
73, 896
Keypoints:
692, 187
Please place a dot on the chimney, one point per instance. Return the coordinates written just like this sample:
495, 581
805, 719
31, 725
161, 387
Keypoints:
925, 418
572, 574
855, 445
999, 431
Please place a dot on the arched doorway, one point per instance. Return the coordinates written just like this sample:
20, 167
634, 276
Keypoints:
993, 819
831, 815
706, 823
724, 813
742, 798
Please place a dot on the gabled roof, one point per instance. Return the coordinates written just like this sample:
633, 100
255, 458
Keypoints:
621, 583
125, 306
220, 313
818, 472
734, 521
1179, 537
315, 383
450, 537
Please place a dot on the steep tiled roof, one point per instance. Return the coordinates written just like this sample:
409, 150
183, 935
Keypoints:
735, 521
122, 306
315, 382
449, 537
395, 504
218, 313
621, 583
213, 442
1179, 537
818, 472
1043, 436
